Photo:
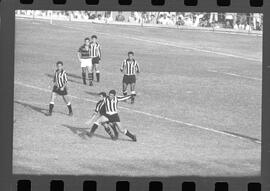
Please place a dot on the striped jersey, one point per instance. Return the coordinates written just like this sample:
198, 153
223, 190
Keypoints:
60, 78
100, 107
112, 104
95, 50
130, 67
84, 51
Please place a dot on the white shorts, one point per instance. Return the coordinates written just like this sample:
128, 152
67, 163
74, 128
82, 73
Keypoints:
86, 62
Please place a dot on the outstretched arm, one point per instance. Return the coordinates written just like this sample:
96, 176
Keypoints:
123, 98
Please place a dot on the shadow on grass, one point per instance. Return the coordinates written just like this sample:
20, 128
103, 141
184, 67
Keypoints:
92, 93
74, 76
36, 108
82, 132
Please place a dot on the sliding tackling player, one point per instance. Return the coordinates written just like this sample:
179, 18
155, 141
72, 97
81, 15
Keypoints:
130, 68
111, 104
86, 61
100, 118
60, 88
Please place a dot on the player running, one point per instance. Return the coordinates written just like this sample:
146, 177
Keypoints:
86, 61
60, 88
111, 104
95, 54
130, 69
100, 118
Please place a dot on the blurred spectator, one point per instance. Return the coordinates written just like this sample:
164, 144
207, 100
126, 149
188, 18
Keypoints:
120, 17
229, 18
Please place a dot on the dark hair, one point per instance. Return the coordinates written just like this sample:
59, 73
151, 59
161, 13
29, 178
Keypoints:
94, 36
130, 52
112, 92
103, 94
59, 62
87, 38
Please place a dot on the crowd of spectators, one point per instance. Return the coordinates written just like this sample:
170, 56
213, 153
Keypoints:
237, 21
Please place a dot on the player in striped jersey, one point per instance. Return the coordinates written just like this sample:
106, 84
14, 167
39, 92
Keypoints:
130, 68
60, 88
100, 118
86, 61
95, 54
111, 104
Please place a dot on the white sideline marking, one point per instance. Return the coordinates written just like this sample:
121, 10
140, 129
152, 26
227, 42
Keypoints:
148, 114
172, 45
236, 75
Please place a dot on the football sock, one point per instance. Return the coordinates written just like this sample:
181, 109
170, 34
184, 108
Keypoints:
133, 94
107, 129
94, 128
69, 107
51, 107
84, 77
98, 76
90, 77
114, 130
129, 134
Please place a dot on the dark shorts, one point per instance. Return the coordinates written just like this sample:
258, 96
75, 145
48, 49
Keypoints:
129, 79
95, 60
59, 92
113, 118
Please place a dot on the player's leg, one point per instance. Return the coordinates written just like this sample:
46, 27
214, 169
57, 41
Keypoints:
108, 130
68, 102
84, 75
113, 126
125, 131
97, 122
51, 105
96, 67
125, 89
133, 92
90, 73
124, 85
104, 122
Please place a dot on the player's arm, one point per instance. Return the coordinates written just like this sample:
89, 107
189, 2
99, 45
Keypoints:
99, 52
79, 54
122, 66
53, 82
137, 68
123, 98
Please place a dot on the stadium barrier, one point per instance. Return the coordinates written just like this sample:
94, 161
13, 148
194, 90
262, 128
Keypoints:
53, 16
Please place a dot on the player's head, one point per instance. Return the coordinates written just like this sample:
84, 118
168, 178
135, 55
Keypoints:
130, 54
112, 93
59, 65
94, 38
87, 41
102, 95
